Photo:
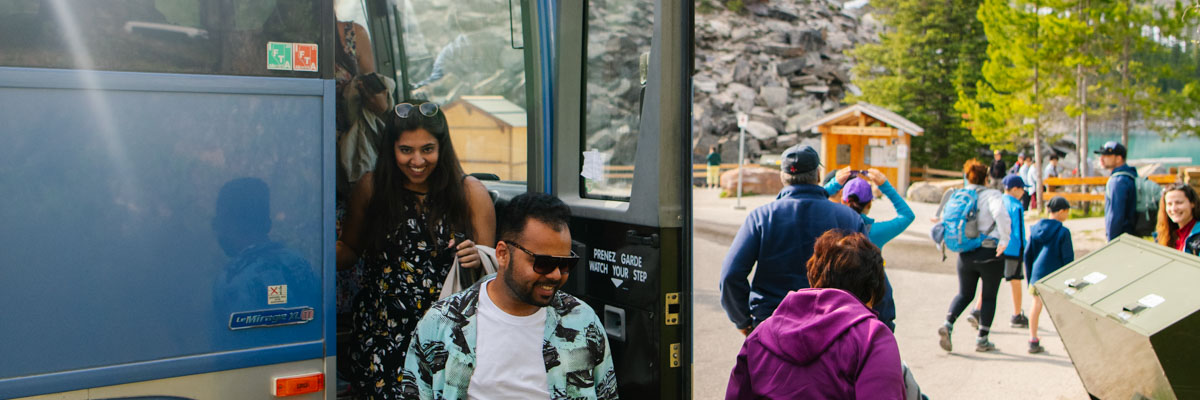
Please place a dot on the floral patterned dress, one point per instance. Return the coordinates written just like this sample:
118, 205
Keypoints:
400, 282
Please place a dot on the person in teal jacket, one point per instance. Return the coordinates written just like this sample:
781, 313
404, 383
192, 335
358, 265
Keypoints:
857, 195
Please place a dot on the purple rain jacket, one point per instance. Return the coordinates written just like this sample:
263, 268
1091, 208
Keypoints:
819, 344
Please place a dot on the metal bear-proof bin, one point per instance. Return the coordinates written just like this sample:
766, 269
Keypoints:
1129, 316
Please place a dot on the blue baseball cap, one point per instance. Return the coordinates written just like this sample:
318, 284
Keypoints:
1058, 203
799, 159
1111, 147
859, 188
1013, 181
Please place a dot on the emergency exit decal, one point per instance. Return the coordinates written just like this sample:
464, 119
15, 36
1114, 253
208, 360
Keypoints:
292, 56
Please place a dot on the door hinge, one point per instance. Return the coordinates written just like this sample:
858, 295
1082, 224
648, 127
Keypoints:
675, 347
671, 314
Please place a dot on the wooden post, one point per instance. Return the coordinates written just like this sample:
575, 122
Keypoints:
902, 175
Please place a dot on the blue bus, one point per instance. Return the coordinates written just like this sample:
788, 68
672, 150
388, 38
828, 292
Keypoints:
170, 179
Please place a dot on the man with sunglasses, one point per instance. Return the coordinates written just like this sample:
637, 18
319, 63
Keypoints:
514, 334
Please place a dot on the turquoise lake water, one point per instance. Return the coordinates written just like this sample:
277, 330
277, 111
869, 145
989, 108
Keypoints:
1150, 145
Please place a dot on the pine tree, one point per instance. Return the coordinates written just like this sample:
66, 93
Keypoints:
929, 52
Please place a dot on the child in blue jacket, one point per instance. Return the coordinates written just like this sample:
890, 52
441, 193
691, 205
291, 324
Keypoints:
1049, 249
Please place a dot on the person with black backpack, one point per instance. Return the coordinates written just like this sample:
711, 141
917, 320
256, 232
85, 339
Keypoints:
974, 222
1120, 194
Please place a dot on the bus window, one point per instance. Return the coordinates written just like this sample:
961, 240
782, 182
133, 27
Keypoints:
460, 54
177, 36
618, 48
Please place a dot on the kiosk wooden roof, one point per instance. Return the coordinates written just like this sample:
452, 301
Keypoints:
865, 136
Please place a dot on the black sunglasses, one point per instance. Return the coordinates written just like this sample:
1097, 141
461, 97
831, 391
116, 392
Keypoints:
545, 264
427, 109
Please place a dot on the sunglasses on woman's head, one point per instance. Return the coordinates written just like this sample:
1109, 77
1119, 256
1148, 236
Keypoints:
403, 110
545, 264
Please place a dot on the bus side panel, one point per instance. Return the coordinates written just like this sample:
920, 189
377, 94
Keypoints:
243, 384
141, 211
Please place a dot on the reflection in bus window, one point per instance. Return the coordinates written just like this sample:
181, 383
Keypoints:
180, 36
618, 48
459, 54
260, 273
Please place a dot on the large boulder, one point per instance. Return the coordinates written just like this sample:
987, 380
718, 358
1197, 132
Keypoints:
757, 180
760, 130
774, 96
931, 191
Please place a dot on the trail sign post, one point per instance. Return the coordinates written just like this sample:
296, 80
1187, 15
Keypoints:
742, 120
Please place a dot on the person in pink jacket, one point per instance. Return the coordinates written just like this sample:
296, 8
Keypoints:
825, 342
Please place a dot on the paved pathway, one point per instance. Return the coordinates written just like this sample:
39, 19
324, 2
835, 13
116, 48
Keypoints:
924, 286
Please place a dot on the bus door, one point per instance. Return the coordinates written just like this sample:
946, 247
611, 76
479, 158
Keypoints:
619, 156
537, 92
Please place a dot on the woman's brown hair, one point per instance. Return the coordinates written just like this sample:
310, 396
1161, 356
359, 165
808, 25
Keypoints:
975, 172
1167, 228
850, 262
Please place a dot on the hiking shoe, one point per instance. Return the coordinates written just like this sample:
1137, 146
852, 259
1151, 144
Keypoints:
983, 345
973, 319
944, 338
1035, 346
1020, 321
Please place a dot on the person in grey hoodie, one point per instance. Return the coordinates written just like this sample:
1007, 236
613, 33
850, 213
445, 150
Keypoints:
825, 342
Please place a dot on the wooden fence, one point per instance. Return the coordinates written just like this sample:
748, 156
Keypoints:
698, 170
1086, 182
928, 174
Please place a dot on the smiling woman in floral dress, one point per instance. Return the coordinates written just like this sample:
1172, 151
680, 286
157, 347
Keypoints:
403, 221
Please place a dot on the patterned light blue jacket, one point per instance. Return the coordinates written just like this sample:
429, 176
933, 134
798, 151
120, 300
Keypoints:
441, 355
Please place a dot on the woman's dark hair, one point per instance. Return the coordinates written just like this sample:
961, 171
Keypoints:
854, 204
445, 199
850, 262
1168, 229
975, 172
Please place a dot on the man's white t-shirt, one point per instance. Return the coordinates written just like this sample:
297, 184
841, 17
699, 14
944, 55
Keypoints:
508, 353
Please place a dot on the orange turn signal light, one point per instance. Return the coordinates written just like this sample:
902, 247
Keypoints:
299, 384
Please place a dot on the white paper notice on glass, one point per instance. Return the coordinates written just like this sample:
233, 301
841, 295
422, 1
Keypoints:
902, 151
593, 165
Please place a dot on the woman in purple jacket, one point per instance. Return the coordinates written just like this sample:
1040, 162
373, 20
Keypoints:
825, 342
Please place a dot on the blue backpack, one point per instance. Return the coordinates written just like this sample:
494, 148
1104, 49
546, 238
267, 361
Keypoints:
960, 232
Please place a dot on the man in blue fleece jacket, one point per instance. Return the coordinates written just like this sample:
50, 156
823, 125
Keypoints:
779, 237
1120, 195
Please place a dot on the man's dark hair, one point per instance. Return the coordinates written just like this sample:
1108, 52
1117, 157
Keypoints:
804, 178
1054, 156
540, 206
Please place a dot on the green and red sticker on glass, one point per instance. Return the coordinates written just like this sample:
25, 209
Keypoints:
292, 56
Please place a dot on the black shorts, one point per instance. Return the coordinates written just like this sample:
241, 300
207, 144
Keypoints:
1012, 269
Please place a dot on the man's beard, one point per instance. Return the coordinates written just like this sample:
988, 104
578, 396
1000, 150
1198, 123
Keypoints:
525, 294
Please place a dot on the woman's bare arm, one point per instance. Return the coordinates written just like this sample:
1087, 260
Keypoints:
483, 212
